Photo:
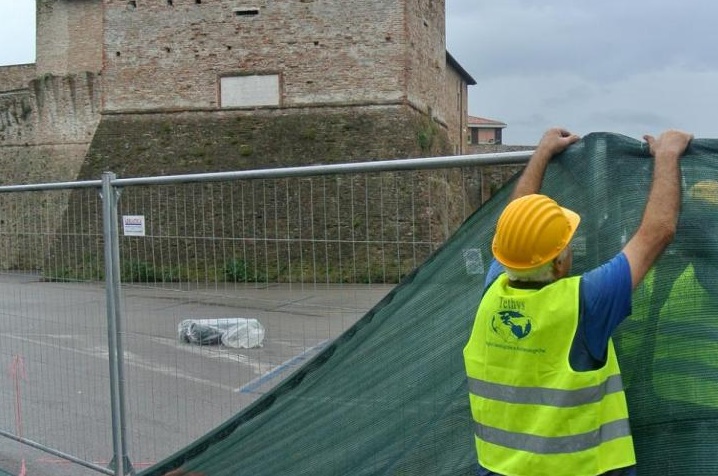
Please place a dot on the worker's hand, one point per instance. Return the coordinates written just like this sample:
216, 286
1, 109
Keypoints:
671, 143
556, 140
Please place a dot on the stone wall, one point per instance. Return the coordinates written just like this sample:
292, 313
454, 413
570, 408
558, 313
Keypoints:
52, 110
455, 110
15, 77
146, 144
45, 132
69, 36
151, 144
426, 56
160, 55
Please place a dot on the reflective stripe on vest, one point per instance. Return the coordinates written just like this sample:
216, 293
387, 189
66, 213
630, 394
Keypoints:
545, 396
555, 444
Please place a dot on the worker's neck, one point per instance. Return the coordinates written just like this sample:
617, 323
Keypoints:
528, 284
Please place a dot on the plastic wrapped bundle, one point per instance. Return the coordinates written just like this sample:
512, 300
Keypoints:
236, 332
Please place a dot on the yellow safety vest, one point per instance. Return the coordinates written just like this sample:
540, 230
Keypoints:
684, 364
533, 414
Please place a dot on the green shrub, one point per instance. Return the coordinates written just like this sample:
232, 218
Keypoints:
144, 272
235, 271
239, 271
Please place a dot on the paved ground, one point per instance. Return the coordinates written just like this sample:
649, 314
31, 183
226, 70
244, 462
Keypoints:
54, 385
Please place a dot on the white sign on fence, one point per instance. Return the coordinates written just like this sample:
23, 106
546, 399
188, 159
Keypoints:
133, 225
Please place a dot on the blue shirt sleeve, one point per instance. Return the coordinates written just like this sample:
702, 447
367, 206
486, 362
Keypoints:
605, 301
495, 269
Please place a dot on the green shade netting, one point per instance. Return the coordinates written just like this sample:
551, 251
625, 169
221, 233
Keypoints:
389, 397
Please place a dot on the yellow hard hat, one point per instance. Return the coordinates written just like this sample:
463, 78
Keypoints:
705, 191
531, 231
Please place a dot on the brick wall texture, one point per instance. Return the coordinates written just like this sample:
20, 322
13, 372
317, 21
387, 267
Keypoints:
456, 111
16, 77
45, 133
326, 51
69, 37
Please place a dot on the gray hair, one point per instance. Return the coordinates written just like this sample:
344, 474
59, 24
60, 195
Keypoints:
539, 274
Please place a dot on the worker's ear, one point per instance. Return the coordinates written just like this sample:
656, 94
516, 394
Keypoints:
559, 268
556, 267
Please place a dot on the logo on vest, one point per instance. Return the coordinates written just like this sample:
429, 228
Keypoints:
511, 326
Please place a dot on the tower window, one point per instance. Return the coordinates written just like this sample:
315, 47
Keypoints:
246, 12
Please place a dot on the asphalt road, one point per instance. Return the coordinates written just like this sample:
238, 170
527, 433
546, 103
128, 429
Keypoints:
54, 366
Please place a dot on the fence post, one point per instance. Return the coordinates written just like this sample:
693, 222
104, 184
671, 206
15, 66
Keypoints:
120, 460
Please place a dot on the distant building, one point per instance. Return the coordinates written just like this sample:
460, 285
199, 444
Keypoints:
484, 131
485, 136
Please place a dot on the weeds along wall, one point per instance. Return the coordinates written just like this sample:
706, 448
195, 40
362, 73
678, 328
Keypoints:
265, 230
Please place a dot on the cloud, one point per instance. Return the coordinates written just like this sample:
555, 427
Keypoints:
628, 67
642, 103
601, 40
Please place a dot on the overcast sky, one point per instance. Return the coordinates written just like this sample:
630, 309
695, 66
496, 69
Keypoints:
630, 67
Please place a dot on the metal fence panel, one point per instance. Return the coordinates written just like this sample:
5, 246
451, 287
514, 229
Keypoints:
305, 253
304, 256
53, 340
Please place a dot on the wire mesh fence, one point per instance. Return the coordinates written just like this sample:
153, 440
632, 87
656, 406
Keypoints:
53, 341
299, 256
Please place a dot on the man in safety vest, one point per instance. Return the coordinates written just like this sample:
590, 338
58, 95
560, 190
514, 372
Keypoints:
692, 262
545, 388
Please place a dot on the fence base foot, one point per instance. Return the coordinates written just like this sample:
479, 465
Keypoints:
128, 470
